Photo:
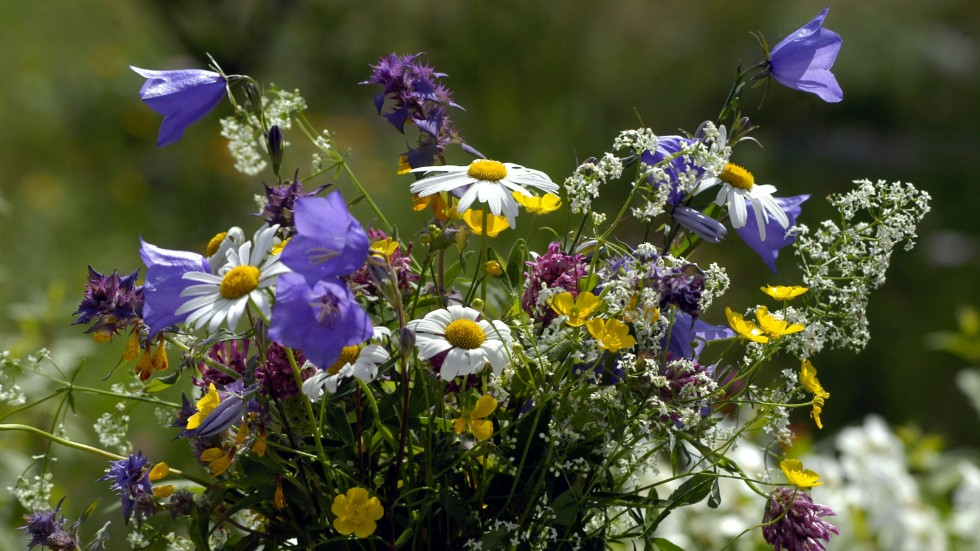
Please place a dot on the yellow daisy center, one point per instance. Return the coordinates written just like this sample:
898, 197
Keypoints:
239, 281
485, 169
348, 355
215, 243
737, 177
465, 333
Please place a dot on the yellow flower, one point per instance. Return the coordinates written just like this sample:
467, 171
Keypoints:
473, 421
403, 166
163, 491
474, 219
493, 268
773, 326
160, 470
205, 406
612, 335
576, 309
356, 513
218, 460
279, 499
796, 476
132, 350
438, 205
384, 247
743, 327
808, 378
782, 292
548, 202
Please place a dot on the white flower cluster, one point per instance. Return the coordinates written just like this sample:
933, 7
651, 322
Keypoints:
246, 142
34, 493
583, 185
636, 141
843, 264
111, 427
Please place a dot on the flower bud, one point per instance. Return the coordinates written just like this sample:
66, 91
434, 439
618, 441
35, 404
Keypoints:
275, 147
406, 340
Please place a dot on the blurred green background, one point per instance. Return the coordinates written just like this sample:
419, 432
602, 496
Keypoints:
544, 84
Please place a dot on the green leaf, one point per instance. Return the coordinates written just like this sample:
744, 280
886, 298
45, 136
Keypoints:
89, 509
515, 263
693, 489
714, 497
337, 420
661, 544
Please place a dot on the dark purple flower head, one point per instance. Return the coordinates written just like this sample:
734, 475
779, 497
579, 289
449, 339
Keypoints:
280, 202
802, 60
400, 263
182, 97
114, 302
131, 479
276, 375
793, 522
47, 528
555, 269
164, 283
681, 287
412, 94
776, 235
319, 320
329, 242
232, 354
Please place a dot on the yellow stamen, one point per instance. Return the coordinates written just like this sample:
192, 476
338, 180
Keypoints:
215, 243
737, 176
485, 169
348, 355
464, 333
239, 281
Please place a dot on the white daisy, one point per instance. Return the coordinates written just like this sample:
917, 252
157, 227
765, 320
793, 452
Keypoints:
353, 362
470, 344
738, 186
246, 277
491, 182
220, 244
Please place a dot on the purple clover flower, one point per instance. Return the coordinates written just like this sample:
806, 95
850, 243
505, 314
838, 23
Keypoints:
329, 242
280, 201
555, 269
320, 320
400, 263
164, 283
681, 287
776, 236
114, 302
182, 97
413, 94
792, 521
276, 374
131, 480
233, 354
47, 528
802, 60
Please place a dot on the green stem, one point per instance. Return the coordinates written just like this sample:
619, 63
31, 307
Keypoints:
308, 406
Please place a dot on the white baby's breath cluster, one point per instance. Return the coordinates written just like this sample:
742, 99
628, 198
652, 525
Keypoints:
843, 264
246, 143
584, 184
111, 428
33, 492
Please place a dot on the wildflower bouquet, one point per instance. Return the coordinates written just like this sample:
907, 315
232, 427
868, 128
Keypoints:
383, 386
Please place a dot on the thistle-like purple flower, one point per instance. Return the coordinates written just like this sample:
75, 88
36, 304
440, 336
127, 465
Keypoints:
555, 269
329, 242
681, 287
320, 319
233, 354
131, 480
777, 236
164, 283
792, 521
47, 528
114, 302
182, 97
280, 202
802, 60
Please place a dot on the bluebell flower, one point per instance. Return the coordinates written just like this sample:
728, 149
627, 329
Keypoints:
700, 224
329, 242
320, 319
164, 283
688, 336
802, 60
131, 480
776, 236
182, 97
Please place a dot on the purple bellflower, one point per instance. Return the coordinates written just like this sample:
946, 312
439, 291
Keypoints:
182, 97
329, 242
688, 336
131, 480
320, 320
802, 60
164, 283
776, 236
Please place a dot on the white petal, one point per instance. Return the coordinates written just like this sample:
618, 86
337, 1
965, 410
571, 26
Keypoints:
197, 302
203, 277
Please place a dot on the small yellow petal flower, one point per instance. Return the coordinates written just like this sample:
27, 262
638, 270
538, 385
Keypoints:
160, 470
794, 472
773, 326
545, 204
743, 327
356, 513
163, 491
808, 378
258, 448
218, 460
474, 219
403, 166
276, 249
384, 247
159, 359
612, 335
493, 268
132, 350
205, 406
473, 421
576, 309
782, 292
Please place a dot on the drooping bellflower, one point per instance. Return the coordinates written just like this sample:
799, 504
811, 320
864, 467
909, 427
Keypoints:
802, 60
182, 97
164, 283
329, 242
776, 236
